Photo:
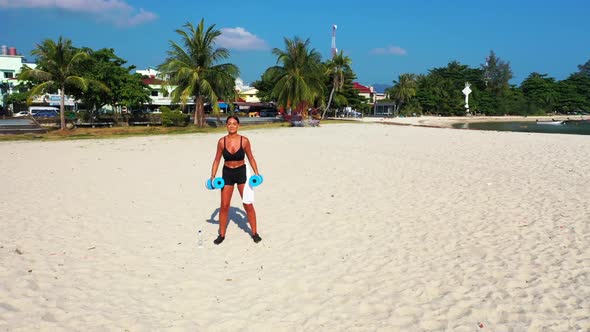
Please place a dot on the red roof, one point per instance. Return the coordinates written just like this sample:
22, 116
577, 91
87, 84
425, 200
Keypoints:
361, 88
152, 81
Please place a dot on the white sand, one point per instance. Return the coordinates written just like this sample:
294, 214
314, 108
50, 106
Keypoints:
365, 227
447, 122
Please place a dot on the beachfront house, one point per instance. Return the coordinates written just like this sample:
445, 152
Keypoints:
245, 92
249, 95
11, 64
384, 108
159, 90
365, 91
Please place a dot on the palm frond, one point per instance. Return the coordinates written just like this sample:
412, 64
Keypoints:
38, 90
77, 81
28, 74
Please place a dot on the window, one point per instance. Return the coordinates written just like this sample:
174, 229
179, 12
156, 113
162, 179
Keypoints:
8, 74
154, 93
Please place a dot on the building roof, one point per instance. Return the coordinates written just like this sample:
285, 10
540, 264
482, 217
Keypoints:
250, 91
361, 88
152, 81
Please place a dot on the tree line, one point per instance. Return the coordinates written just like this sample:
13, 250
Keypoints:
194, 67
439, 92
96, 78
299, 80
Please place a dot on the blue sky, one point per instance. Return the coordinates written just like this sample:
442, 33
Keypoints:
384, 38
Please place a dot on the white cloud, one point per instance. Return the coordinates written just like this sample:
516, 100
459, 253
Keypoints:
240, 39
395, 50
117, 12
139, 18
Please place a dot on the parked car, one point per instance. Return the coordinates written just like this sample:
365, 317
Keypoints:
20, 114
268, 112
139, 112
46, 113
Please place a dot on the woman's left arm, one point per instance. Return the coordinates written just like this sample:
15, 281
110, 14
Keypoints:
251, 159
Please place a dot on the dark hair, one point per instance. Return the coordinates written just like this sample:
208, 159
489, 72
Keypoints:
232, 117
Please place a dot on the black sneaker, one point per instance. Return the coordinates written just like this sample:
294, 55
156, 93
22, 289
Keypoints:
219, 239
256, 238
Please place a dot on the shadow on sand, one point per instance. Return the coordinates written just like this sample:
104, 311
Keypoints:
236, 215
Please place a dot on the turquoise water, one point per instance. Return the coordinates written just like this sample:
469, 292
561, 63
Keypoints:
568, 127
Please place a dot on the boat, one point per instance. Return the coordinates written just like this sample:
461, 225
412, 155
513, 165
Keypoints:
549, 122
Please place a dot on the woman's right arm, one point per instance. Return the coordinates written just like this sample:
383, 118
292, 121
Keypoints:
216, 160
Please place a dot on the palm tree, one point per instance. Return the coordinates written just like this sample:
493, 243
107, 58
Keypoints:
57, 68
193, 69
336, 69
403, 90
298, 79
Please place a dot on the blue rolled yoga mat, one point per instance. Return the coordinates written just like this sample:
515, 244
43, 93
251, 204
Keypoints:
218, 183
256, 180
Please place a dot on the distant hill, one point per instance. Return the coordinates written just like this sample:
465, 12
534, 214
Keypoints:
380, 88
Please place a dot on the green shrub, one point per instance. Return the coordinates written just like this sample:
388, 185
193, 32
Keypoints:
71, 116
172, 118
411, 110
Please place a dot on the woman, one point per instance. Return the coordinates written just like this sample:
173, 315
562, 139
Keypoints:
234, 147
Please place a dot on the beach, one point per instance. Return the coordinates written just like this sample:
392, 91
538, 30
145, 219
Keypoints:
449, 121
364, 226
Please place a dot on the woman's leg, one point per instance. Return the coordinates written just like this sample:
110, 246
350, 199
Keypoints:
226, 194
250, 212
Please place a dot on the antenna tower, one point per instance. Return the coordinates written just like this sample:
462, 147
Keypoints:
334, 50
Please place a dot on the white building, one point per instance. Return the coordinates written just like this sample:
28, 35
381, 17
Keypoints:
245, 92
160, 92
11, 65
150, 72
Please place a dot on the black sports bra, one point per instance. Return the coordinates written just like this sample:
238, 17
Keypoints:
236, 156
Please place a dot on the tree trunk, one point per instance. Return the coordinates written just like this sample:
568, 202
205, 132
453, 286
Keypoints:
218, 116
202, 114
329, 101
199, 112
196, 114
62, 108
398, 106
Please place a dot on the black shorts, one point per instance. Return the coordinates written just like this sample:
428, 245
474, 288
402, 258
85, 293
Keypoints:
234, 175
